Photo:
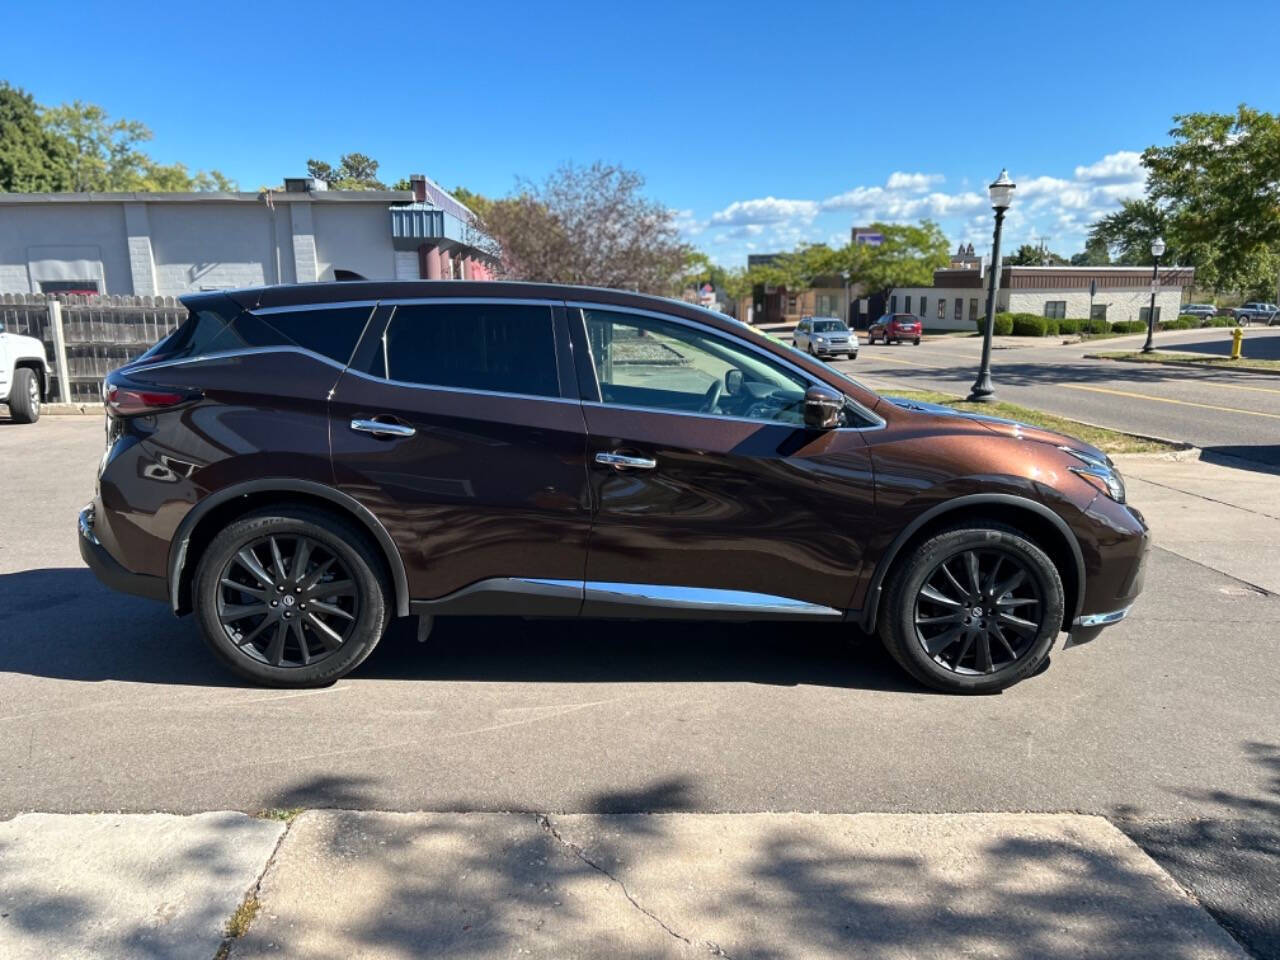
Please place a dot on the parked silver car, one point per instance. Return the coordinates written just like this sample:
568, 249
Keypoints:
825, 337
1202, 311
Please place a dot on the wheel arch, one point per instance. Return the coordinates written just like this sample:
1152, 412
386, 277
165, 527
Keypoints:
38, 366
1048, 529
212, 513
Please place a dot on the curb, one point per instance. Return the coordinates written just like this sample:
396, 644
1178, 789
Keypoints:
72, 409
1184, 363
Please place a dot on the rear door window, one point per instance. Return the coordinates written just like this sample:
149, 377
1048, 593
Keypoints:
495, 347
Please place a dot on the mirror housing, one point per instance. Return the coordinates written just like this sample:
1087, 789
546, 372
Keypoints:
822, 407
733, 380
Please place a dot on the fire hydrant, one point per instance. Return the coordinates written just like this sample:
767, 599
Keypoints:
1237, 340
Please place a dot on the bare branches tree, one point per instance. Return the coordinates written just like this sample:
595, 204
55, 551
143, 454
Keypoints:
587, 225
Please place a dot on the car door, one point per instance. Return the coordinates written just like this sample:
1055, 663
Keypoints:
708, 491
457, 424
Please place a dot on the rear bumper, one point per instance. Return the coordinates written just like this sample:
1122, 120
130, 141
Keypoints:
106, 568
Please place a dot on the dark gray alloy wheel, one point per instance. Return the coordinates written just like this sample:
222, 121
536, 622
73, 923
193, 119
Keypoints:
291, 596
24, 396
973, 609
978, 611
287, 600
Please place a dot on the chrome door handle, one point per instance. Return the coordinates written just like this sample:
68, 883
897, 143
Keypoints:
380, 429
622, 461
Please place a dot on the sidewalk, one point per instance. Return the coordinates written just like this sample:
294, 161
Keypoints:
362, 885
1223, 514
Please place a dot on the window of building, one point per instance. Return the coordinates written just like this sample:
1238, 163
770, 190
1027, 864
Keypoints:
791, 304
906, 303
1098, 311
648, 362
959, 311
924, 305
973, 309
1145, 312
84, 287
1055, 309
504, 348
942, 308
893, 304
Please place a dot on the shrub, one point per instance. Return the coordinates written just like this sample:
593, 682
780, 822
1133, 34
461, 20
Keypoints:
1220, 322
1095, 325
1184, 322
1028, 326
1003, 326
1070, 325
1128, 326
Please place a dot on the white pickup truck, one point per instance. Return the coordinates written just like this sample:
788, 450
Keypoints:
24, 376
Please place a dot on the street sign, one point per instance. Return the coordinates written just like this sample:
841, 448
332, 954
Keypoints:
1093, 289
1155, 286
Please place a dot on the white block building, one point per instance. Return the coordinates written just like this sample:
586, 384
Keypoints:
959, 296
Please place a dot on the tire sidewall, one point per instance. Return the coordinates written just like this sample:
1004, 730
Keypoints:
900, 635
19, 396
340, 538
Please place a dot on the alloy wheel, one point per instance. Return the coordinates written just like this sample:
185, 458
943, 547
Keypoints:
978, 611
287, 600
33, 392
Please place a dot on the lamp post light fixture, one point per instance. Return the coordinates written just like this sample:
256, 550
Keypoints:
1001, 193
1157, 249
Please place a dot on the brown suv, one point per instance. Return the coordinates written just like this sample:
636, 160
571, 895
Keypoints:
297, 465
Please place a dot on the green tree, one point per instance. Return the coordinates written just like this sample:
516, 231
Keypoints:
1095, 254
1219, 182
477, 203
355, 171
587, 225
906, 258
32, 159
1038, 255
1128, 233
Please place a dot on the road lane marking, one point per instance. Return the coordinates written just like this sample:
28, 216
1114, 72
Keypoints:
1181, 403
912, 363
1229, 386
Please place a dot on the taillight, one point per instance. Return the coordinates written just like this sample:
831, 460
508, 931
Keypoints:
130, 401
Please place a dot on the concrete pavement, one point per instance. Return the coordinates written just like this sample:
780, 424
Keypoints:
349, 885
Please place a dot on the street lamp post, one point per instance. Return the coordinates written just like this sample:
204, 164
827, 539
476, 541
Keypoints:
1001, 193
1157, 248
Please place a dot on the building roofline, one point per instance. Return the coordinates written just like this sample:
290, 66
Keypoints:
1066, 268
215, 196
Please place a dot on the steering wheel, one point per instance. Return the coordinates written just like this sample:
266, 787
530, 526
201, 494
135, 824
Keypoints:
713, 397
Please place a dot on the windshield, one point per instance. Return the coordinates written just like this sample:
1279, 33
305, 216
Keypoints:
828, 326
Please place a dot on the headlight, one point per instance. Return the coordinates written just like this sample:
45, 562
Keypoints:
1101, 472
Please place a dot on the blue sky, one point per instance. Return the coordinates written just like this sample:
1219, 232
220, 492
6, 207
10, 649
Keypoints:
763, 124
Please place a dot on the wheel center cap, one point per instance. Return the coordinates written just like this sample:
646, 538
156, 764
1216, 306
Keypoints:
976, 612
288, 601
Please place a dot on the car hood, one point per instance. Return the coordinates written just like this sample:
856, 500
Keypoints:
1003, 427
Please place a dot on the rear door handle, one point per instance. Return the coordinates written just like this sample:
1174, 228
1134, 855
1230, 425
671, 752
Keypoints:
624, 462
380, 428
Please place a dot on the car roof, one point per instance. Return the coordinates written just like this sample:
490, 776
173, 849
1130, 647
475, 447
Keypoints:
321, 294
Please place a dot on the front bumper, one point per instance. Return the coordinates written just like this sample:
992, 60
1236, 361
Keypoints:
108, 570
823, 349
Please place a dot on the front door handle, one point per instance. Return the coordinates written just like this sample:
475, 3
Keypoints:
624, 462
381, 428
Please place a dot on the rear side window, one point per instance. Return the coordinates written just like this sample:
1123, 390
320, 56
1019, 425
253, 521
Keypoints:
499, 347
210, 329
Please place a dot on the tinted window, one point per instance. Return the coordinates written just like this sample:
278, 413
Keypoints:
506, 348
828, 326
330, 333
646, 362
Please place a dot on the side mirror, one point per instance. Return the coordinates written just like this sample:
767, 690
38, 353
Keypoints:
822, 407
733, 378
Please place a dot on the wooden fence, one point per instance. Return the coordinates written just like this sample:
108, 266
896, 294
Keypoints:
98, 334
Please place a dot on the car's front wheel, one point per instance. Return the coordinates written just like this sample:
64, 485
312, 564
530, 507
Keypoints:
973, 609
24, 396
291, 597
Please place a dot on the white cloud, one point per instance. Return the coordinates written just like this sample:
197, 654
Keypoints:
1123, 166
765, 210
913, 181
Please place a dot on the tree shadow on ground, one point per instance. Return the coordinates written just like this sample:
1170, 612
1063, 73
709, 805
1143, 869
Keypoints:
62, 623
644, 885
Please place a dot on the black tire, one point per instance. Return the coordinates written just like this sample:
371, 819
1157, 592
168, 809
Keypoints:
916, 342
854, 355
942, 644
24, 396
356, 614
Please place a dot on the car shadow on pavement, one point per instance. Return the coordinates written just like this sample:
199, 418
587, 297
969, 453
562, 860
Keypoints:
62, 623
1259, 458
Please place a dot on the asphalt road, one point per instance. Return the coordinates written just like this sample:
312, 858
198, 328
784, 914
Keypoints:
1168, 724
1235, 414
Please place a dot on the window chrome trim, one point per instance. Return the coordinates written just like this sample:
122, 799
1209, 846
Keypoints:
303, 307
428, 301
241, 352
877, 422
438, 388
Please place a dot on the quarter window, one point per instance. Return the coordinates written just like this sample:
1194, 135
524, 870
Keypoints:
643, 361
499, 347
330, 333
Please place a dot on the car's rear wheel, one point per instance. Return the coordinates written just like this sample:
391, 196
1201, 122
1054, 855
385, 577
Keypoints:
916, 341
24, 396
291, 597
973, 609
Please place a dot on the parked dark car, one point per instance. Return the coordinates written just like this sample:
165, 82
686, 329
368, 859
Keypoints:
1256, 310
297, 465
896, 327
